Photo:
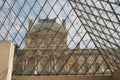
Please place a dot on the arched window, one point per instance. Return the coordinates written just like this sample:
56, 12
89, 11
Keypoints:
30, 67
75, 68
85, 68
60, 65
45, 66
46, 42
96, 68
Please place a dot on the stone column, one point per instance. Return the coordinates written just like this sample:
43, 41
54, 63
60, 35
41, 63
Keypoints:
6, 59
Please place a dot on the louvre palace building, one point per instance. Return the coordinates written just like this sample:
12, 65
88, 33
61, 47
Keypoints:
46, 53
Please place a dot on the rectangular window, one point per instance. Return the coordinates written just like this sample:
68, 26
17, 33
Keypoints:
75, 68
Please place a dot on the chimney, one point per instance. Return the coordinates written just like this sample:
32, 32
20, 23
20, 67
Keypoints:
30, 24
64, 23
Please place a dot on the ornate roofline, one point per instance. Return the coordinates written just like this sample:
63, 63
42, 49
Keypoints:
46, 20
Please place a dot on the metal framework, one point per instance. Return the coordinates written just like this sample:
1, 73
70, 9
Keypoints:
92, 33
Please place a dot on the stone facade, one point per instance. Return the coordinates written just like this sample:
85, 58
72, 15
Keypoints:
46, 52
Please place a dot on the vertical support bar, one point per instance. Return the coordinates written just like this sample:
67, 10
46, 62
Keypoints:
6, 59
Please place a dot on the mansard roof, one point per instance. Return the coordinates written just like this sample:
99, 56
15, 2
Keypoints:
48, 23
